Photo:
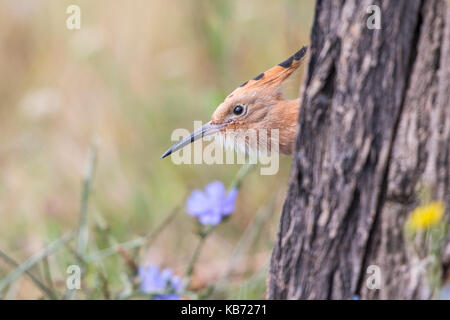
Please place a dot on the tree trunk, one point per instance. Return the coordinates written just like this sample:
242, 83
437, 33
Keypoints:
374, 130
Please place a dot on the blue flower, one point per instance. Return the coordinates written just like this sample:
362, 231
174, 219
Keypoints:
163, 283
211, 205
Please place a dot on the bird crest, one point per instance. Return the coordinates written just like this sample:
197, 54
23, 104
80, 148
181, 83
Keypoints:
275, 76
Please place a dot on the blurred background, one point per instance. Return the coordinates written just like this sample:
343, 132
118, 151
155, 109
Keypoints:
134, 72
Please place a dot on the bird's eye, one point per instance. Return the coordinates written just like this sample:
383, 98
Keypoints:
238, 110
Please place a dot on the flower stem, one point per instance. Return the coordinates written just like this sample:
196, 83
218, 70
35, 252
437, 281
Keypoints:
243, 171
206, 231
191, 265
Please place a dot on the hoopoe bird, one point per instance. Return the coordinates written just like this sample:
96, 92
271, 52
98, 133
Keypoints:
256, 104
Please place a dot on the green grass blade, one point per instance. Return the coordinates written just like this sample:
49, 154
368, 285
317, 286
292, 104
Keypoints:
29, 263
82, 233
45, 290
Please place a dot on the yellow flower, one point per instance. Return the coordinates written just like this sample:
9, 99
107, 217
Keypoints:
427, 215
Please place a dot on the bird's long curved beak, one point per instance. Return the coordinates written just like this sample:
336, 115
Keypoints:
206, 130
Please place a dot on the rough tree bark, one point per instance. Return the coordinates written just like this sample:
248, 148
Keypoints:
374, 128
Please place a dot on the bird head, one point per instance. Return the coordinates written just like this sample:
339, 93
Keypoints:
256, 104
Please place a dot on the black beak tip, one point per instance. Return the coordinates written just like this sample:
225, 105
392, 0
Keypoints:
167, 153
